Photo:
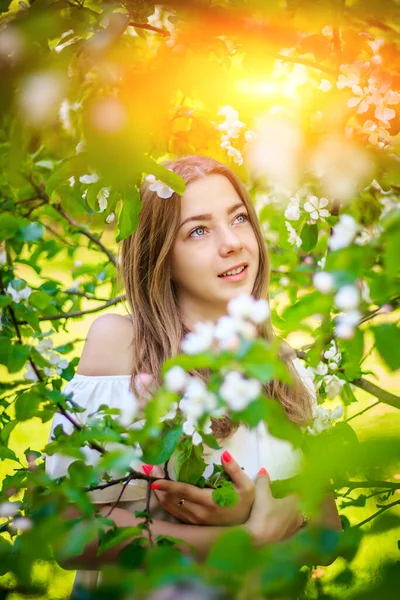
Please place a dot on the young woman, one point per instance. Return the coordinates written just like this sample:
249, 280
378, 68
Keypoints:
173, 270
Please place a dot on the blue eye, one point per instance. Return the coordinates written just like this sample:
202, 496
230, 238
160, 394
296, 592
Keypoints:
246, 218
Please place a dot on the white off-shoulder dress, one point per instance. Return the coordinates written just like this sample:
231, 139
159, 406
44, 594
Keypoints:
251, 448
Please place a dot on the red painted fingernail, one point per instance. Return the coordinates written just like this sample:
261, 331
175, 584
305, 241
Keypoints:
262, 471
147, 469
226, 456
155, 486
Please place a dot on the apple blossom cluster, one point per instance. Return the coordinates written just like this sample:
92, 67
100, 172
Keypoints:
371, 88
233, 128
244, 313
58, 364
314, 206
324, 375
198, 404
324, 419
347, 299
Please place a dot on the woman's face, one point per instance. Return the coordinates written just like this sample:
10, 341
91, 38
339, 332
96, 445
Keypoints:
215, 236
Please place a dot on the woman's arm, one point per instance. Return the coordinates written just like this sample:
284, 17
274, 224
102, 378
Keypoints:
198, 537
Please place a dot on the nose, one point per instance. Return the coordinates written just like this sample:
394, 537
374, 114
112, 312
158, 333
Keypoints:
229, 242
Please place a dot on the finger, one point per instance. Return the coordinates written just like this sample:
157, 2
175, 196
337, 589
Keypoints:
239, 478
263, 487
184, 513
177, 490
153, 470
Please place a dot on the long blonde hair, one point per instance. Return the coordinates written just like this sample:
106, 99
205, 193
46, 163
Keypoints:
152, 296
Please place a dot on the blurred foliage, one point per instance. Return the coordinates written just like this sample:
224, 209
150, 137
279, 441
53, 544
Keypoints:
94, 94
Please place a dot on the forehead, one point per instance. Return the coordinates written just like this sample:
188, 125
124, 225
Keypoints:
209, 194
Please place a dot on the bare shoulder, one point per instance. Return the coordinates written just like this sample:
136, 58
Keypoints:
108, 347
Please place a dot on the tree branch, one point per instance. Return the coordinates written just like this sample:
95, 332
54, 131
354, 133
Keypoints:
79, 313
149, 27
379, 512
42, 194
303, 61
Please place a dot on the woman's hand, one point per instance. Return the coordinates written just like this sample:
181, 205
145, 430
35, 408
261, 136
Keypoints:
272, 519
199, 508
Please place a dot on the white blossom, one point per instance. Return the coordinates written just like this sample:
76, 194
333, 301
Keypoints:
102, 198
176, 379
89, 178
322, 368
110, 218
9, 509
128, 412
171, 414
21, 524
343, 232
325, 85
333, 354
347, 298
294, 239
315, 206
324, 419
18, 295
200, 339
81, 147
30, 374
197, 400
292, 212
162, 190
238, 392
3, 257
78, 263
324, 282
333, 385
346, 324
247, 307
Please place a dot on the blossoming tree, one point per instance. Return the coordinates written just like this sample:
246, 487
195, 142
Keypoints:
302, 100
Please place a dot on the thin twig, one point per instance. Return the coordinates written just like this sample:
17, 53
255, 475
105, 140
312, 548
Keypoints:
80, 313
149, 27
123, 488
363, 411
379, 512
373, 483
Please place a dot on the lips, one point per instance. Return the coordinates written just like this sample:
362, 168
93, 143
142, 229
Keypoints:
243, 264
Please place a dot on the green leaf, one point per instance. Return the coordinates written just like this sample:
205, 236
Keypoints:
5, 300
27, 405
210, 441
226, 495
118, 460
9, 225
40, 300
188, 461
7, 453
132, 556
31, 232
233, 552
387, 340
75, 166
159, 450
18, 357
115, 536
80, 534
5, 349
173, 180
309, 236
129, 216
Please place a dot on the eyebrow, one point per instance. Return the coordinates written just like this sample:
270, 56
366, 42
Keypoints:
208, 216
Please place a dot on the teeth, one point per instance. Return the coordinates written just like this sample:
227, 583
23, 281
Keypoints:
234, 272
